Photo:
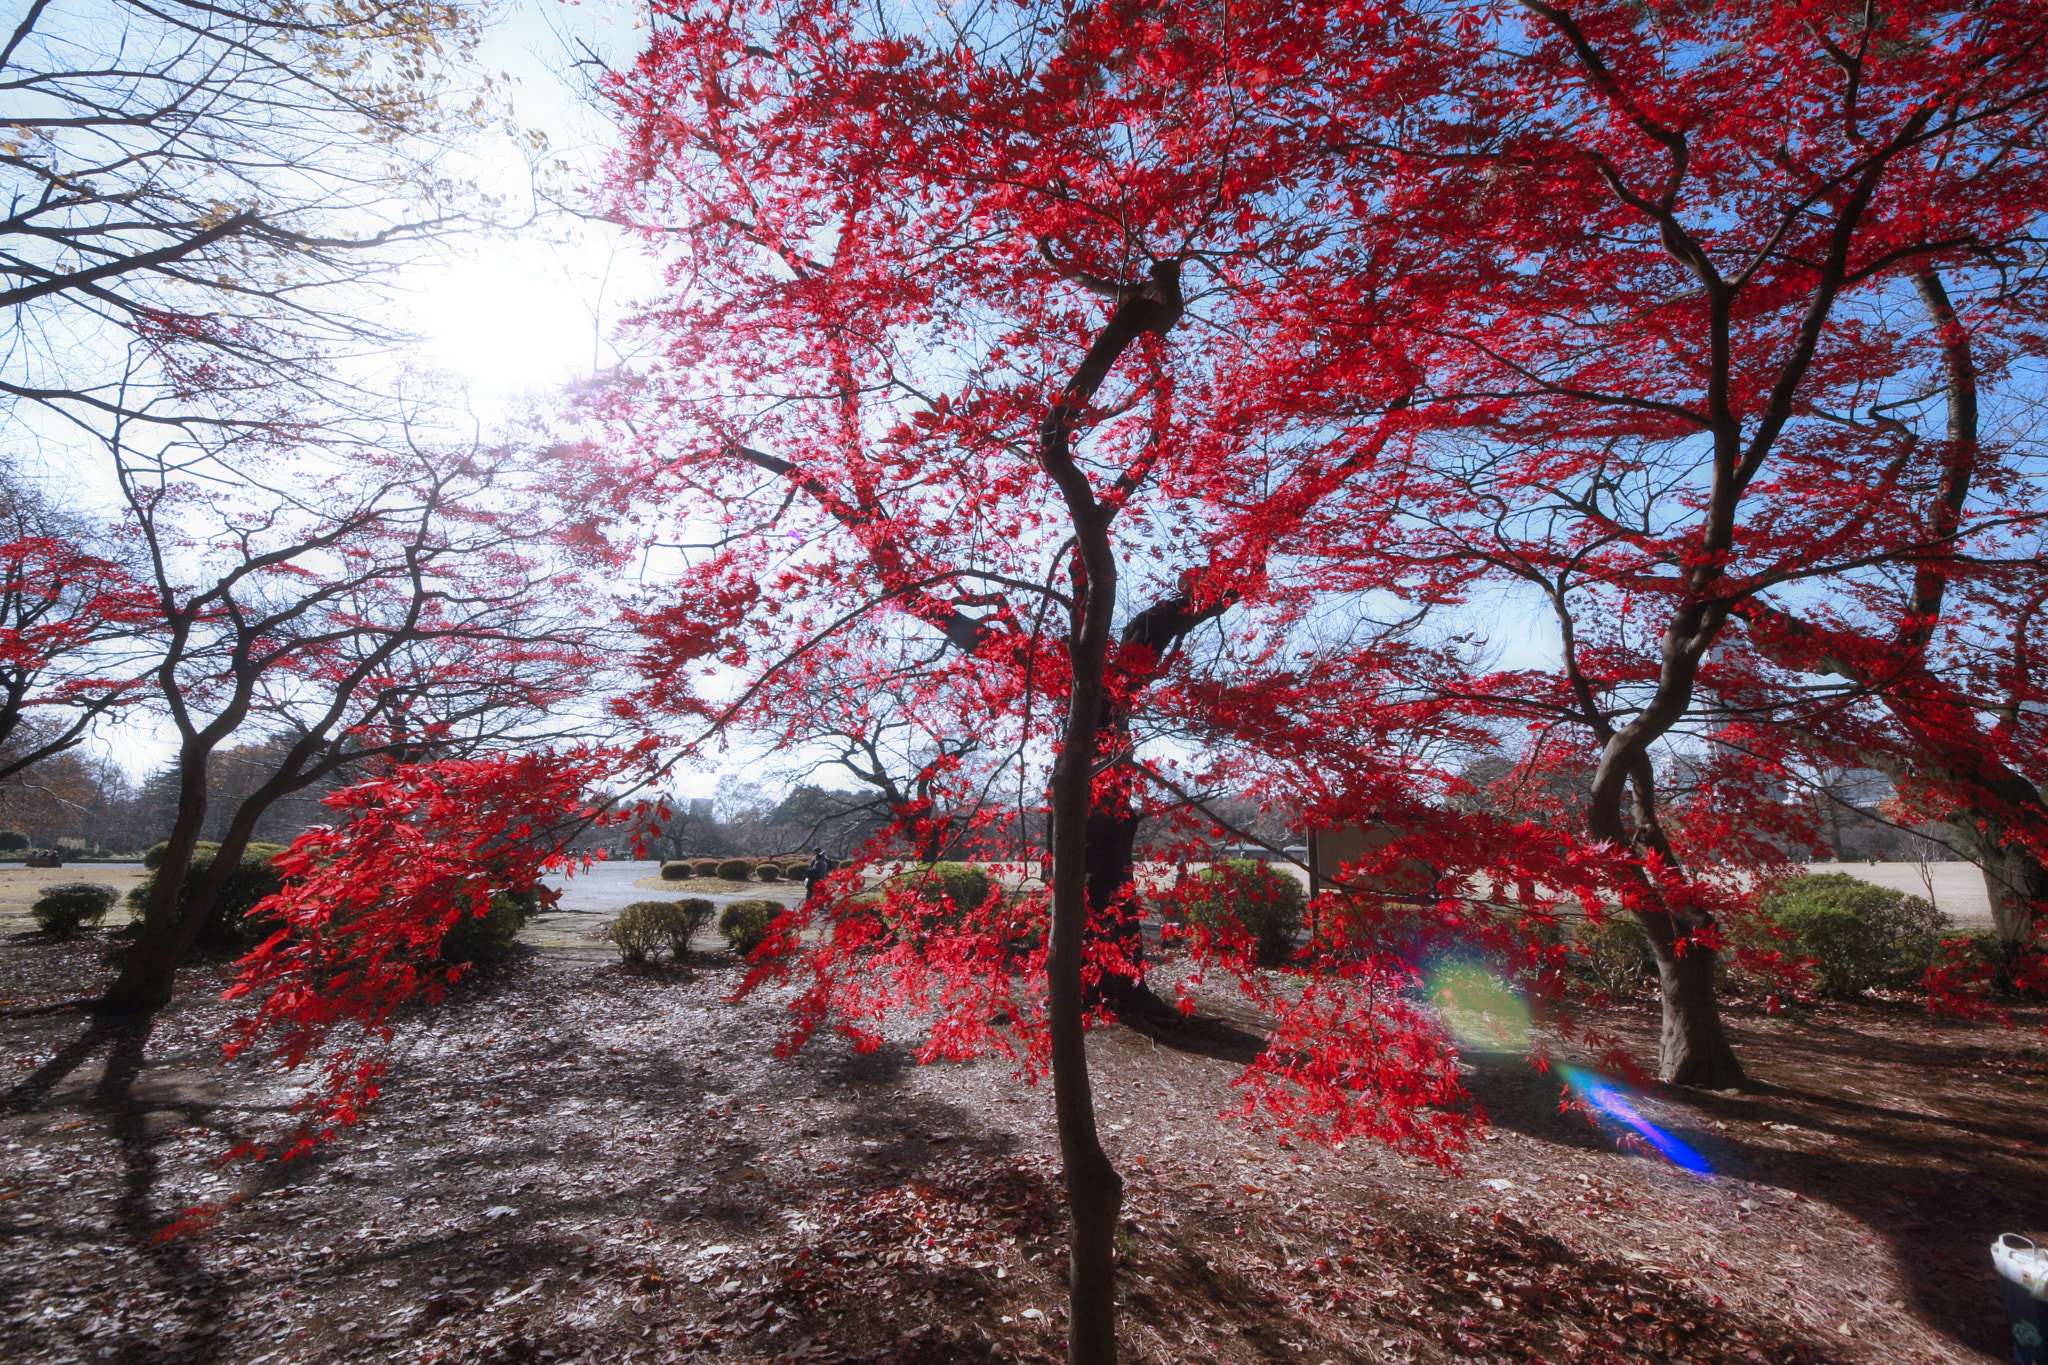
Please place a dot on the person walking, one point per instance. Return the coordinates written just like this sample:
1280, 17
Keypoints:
820, 868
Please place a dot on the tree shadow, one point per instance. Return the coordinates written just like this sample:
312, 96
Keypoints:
1201, 1035
201, 1296
1934, 1185
29, 1094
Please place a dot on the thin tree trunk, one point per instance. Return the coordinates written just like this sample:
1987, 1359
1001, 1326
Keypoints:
1149, 639
169, 929
1094, 1190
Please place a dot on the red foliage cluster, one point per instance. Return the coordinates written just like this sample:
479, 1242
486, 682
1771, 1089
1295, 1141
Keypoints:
370, 899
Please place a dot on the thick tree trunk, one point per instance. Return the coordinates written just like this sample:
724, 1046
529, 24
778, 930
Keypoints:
2015, 882
150, 967
1692, 1047
2017, 885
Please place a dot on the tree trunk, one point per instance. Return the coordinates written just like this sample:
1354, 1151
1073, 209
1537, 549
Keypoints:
2017, 885
1149, 639
1094, 1190
151, 963
1692, 1048
149, 971
2015, 882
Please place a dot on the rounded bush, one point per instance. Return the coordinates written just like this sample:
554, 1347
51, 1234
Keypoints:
69, 906
735, 870
745, 924
704, 867
637, 932
1246, 892
768, 872
491, 935
674, 872
13, 841
1858, 935
660, 924
964, 884
690, 917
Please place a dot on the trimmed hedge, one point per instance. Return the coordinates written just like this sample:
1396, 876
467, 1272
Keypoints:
964, 884
1858, 935
67, 907
675, 872
768, 872
704, 867
745, 924
1247, 892
692, 915
735, 870
638, 932
644, 926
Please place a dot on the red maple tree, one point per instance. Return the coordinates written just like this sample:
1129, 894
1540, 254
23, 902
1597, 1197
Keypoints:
1007, 358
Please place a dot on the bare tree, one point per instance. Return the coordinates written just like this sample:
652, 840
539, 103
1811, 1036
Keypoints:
403, 608
197, 192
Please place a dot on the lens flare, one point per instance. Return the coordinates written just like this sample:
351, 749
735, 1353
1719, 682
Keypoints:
1603, 1097
1481, 1010
1478, 1007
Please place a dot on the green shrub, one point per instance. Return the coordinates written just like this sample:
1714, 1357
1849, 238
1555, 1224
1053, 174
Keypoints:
735, 870
67, 907
704, 867
745, 924
675, 872
489, 936
1266, 904
946, 891
768, 872
1858, 935
227, 923
964, 884
13, 841
692, 916
649, 925
1612, 955
637, 933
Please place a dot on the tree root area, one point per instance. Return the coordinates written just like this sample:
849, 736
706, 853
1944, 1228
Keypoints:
572, 1162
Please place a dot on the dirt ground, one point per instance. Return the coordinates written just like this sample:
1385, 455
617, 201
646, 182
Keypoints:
575, 1163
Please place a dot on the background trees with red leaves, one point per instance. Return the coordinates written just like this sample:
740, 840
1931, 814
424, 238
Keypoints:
69, 619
